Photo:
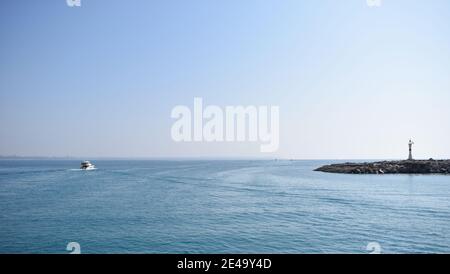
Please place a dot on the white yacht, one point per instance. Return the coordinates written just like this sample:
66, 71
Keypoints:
86, 165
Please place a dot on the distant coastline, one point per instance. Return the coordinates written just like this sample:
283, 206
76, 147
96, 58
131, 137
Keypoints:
15, 157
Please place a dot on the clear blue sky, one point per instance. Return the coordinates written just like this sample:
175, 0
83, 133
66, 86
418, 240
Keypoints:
101, 80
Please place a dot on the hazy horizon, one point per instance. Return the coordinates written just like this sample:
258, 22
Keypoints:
194, 158
351, 81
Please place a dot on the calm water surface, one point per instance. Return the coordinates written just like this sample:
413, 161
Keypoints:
217, 207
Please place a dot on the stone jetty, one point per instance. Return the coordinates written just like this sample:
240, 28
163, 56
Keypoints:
391, 167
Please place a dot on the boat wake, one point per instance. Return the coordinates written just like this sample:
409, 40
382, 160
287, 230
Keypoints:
79, 169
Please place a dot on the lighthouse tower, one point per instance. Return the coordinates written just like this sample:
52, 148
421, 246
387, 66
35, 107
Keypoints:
410, 149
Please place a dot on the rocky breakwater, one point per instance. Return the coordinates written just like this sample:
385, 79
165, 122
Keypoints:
391, 167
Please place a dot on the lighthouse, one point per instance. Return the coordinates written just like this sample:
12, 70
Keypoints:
410, 149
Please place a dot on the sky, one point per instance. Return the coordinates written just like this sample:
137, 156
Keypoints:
100, 80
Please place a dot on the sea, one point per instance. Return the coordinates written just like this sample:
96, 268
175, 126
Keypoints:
217, 206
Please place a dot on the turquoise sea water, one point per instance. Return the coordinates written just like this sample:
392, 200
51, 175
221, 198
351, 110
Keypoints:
217, 207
